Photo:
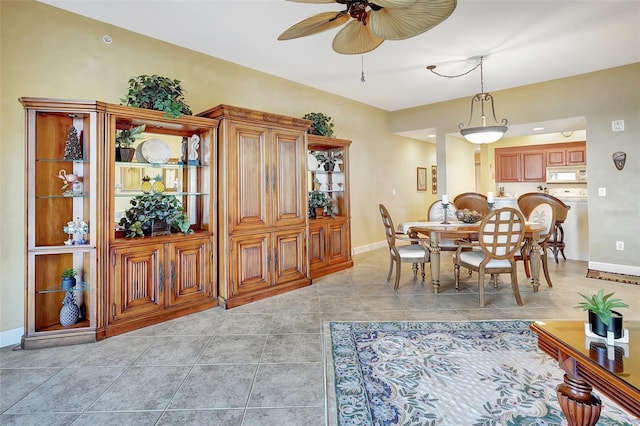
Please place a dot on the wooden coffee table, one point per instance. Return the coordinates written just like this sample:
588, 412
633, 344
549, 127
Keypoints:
587, 362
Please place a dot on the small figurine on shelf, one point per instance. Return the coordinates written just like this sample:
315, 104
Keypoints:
70, 312
70, 229
72, 148
194, 144
72, 186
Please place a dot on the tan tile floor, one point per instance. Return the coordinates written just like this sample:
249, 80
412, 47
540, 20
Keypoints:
260, 364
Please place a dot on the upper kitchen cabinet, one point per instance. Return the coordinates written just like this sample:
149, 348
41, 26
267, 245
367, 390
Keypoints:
528, 163
516, 165
262, 204
567, 154
65, 200
329, 243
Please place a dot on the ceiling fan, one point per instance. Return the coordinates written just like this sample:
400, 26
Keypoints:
373, 22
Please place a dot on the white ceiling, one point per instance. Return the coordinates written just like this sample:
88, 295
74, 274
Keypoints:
524, 42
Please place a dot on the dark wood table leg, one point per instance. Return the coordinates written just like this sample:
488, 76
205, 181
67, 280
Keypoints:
579, 405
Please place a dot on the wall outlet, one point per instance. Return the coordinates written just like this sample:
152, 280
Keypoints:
617, 126
602, 192
619, 245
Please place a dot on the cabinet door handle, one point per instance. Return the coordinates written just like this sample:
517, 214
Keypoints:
172, 274
113, 311
161, 277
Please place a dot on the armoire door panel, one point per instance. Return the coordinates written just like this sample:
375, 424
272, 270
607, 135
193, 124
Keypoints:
249, 263
248, 178
138, 281
339, 242
188, 271
288, 203
290, 262
316, 245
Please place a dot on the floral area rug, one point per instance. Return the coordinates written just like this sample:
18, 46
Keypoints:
447, 373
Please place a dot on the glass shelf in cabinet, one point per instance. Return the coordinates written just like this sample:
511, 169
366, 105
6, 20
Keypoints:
159, 165
57, 160
80, 286
83, 195
177, 194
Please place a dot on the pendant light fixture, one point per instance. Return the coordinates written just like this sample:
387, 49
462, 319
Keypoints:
483, 133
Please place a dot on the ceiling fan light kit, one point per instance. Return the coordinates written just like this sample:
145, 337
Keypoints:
368, 24
483, 133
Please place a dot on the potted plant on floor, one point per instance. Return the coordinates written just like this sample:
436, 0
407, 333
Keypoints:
321, 124
157, 93
602, 317
124, 139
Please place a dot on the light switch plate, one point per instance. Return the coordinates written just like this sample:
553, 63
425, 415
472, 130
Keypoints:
602, 192
617, 125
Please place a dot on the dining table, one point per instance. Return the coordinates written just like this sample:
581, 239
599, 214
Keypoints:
457, 230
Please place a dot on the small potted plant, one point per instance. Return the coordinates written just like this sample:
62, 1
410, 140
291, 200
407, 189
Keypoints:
319, 204
321, 124
157, 93
602, 317
124, 139
328, 159
68, 279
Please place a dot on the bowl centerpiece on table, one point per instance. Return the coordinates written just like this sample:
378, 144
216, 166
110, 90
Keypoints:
468, 216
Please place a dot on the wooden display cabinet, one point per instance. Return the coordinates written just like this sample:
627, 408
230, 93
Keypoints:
62, 220
156, 278
329, 244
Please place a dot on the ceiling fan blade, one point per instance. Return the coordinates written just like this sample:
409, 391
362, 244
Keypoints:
315, 24
314, 1
355, 38
393, 4
399, 24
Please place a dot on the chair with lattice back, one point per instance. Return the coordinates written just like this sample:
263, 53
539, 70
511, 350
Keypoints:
416, 252
500, 236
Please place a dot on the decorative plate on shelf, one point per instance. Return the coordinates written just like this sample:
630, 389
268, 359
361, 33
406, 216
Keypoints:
156, 151
312, 162
139, 157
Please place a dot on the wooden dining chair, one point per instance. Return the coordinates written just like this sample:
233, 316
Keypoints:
416, 252
543, 214
500, 236
527, 202
472, 201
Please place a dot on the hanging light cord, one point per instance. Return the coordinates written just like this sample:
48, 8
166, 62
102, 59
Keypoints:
362, 75
479, 64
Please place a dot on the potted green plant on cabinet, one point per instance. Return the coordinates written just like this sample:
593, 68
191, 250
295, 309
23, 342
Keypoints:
124, 139
602, 317
68, 278
154, 214
157, 93
328, 159
319, 204
321, 124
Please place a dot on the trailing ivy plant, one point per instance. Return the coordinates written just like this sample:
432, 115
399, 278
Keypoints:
147, 208
157, 93
321, 124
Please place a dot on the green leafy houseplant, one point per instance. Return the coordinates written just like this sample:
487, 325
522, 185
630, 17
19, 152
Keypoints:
68, 278
328, 158
126, 137
146, 209
601, 304
69, 273
321, 124
322, 200
157, 93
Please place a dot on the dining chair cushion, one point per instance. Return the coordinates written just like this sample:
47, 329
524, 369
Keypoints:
475, 258
412, 251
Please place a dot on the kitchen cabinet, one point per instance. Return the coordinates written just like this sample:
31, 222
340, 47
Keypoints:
568, 154
329, 243
517, 166
262, 204
528, 163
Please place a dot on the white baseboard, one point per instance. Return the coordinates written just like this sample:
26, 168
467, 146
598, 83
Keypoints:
11, 337
369, 247
616, 269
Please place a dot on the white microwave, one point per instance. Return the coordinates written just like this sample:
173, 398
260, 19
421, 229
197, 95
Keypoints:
567, 174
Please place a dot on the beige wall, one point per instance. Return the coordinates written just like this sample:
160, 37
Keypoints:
47, 52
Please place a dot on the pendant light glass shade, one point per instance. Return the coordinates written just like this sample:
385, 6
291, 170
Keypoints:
483, 133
